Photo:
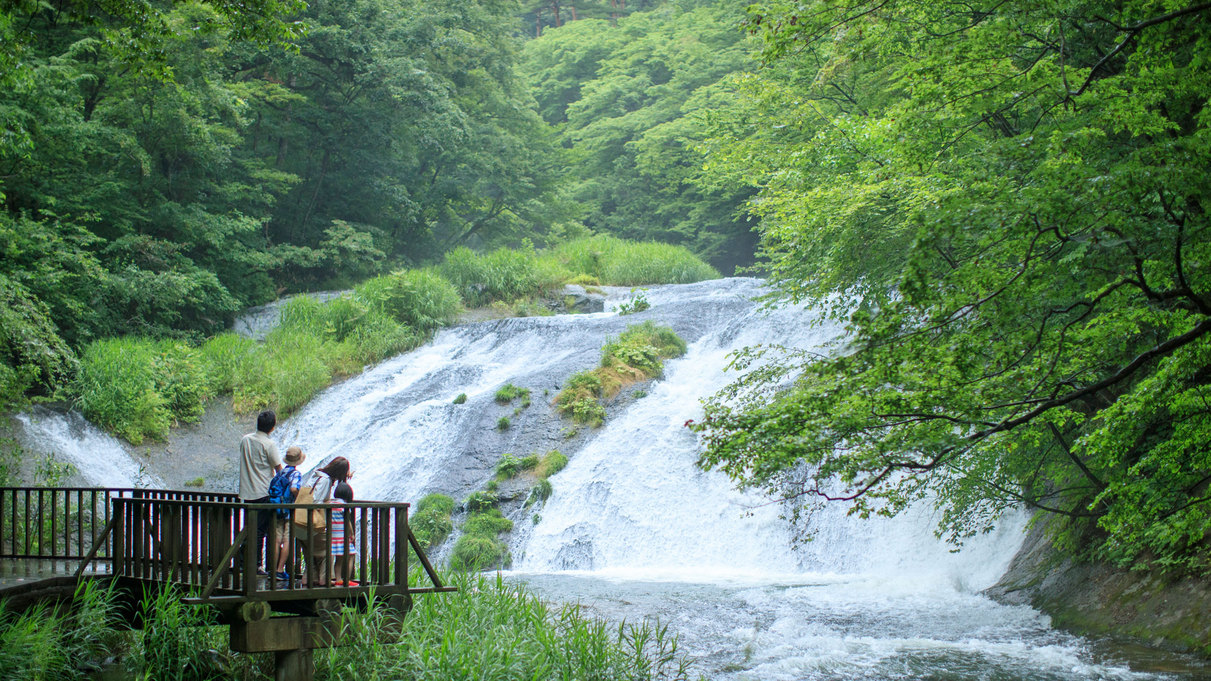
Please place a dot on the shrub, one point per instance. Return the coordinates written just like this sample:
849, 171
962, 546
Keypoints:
552, 462
509, 392
138, 388
421, 299
510, 465
462, 397
634, 356
666, 341
503, 423
638, 303
480, 501
579, 399
477, 552
586, 411
617, 262
181, 378
585, 381
539, 492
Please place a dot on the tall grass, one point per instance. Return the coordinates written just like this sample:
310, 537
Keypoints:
284, 373
420, 299
617, 262
177, 640
51, 643
139, 388
488, 630
223, 357
491, 630
480, 547
502, 275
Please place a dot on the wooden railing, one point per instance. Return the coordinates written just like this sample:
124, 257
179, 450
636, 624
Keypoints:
66, 523
207, 542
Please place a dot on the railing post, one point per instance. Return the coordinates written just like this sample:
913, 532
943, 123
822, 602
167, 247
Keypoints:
384, 541
401, 547
251, 543
118, 537
2, 523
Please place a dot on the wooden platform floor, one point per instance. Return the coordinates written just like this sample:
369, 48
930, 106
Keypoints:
16, 572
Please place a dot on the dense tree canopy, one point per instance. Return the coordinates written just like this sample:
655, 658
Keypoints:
1004, 203
629, 99
163, 166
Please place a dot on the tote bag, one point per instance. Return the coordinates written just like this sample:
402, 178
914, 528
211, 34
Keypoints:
307, 496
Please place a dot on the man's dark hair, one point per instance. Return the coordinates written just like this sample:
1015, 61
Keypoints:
266, 420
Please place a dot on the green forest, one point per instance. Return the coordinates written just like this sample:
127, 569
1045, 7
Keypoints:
1001, 202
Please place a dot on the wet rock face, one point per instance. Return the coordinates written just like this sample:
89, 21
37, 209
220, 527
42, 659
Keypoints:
1100, 599
578, 300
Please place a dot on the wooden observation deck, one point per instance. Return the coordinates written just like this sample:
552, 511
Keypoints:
204, 544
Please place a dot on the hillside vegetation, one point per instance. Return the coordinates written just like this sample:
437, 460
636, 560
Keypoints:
1003, 203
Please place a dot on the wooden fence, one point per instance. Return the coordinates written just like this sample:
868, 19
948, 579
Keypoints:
207, 542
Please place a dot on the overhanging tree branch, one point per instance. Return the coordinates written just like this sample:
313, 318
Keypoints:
1132, 32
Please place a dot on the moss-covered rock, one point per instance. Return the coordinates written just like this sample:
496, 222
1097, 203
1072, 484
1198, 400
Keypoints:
1100, 599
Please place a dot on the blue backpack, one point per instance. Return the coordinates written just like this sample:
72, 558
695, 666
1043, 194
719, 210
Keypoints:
279, 489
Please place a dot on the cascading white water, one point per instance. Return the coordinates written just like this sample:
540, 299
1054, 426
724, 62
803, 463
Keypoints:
98, 459
633, 502
634, 529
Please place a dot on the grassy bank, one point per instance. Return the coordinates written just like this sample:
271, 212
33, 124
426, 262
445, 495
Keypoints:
489, 630
138, 388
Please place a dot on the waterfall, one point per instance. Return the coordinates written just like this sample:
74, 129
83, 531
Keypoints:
634, 529
631, 501
99, 459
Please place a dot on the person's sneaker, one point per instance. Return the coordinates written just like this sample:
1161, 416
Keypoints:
352, 583
261, 572
339, 582
283, 576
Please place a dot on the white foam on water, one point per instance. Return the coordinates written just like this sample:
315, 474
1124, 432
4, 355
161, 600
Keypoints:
98, 458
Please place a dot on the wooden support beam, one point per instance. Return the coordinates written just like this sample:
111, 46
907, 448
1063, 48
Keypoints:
277, 634
294, 665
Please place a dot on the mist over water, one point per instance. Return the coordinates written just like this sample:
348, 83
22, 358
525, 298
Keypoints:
634, 529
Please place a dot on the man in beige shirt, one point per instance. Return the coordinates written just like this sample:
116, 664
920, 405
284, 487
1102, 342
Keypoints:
259, 460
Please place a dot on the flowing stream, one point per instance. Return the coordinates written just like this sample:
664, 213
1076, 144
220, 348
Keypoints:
634, 529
